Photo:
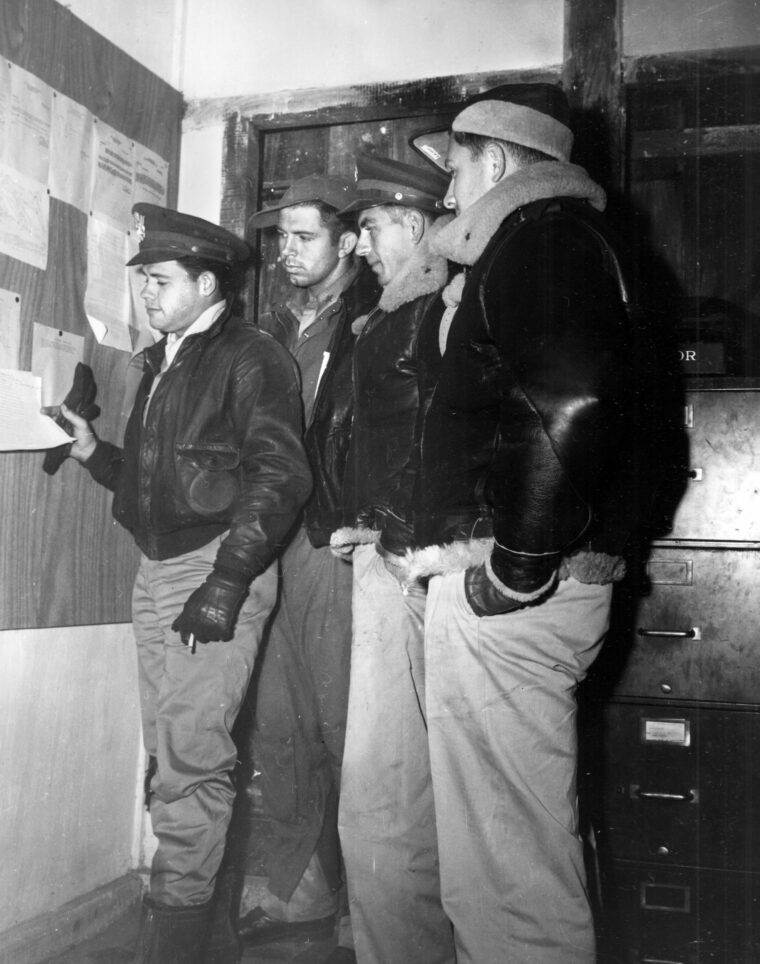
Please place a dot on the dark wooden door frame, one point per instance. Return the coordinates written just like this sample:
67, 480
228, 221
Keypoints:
249, 120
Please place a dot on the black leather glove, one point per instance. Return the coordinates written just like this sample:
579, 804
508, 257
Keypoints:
484, 597
81, 401
211, 611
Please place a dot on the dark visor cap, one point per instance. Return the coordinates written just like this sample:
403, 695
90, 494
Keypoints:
381, 180
167, 235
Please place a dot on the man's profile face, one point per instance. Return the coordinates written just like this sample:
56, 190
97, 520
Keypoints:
172, 298
470, 177
386, 244
307, 251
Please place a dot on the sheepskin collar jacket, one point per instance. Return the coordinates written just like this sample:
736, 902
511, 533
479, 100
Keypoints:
396, 348
524, 442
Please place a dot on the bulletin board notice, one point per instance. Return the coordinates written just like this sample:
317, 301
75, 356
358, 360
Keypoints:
85, 131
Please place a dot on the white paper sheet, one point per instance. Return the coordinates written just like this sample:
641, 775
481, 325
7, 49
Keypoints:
6, 86
106, 301
114, 175
71, 153
27, 144
23, 426
151, 177
55, 355
10, 328
24, 218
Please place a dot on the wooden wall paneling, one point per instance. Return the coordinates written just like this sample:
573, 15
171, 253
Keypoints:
64, 561
677, 67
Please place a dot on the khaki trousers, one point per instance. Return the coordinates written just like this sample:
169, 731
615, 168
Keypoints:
189, 703
386, 817
300, 713
503, 753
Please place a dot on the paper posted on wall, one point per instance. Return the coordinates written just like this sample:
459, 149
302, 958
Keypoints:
23, 426
106, 300
10, 328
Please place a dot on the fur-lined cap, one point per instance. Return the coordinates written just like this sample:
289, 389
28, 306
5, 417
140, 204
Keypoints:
534, 115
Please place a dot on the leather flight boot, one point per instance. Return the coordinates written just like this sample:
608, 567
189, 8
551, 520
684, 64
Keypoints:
173, 935
223, 945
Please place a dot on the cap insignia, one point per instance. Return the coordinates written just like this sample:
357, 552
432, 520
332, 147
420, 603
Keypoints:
139, 227
431, 152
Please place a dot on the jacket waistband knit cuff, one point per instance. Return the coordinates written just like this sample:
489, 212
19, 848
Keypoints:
522, 597
584, 565
353, 536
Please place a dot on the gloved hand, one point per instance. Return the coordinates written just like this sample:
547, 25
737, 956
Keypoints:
211, 611
85, 440
484, 597
80, 401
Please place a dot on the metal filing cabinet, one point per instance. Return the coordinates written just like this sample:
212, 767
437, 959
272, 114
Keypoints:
681, 753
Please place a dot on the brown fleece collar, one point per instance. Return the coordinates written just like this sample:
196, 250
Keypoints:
464, 239
423, 274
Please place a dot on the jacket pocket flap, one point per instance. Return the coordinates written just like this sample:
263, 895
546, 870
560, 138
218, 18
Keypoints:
211, 456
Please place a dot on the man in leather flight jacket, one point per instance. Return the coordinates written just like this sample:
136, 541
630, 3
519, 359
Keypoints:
209, 481
384, 804
302, 688
522, 516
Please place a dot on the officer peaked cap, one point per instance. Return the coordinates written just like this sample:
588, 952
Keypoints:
382, 180
167, 235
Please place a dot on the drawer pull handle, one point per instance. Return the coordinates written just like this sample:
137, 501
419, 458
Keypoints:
691, 796
694, 633
659, 960
668, 898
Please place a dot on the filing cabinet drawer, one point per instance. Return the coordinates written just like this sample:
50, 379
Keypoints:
680, 786
722, 500
696, 636
682, 917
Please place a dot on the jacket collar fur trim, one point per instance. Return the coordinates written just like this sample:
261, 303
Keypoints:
423, 274
464, 239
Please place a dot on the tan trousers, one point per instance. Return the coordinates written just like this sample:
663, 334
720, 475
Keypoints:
386, 817
503, 754
189, 703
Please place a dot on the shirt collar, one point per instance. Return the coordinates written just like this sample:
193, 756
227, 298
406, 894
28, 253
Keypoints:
202, 323
301, 302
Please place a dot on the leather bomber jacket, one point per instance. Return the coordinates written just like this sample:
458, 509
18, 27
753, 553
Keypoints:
526, 434
328, 434
392, 360
218, 449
